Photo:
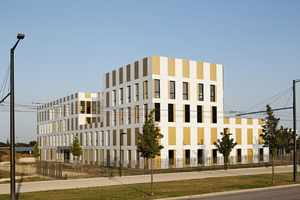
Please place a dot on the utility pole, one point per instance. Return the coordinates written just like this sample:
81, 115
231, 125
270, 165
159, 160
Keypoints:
121, 135
12, 121
295, 129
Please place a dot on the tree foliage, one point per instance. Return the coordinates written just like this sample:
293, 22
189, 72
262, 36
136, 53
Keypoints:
36, 151
271, 135
148, 145
287, 139
225, 145
76, 150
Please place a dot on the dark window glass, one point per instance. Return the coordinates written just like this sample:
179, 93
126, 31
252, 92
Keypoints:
171, 157
199, 114
215, 158
157, 88
172, 89
187, 113
239, 155
187, 157
157, 112
185, 90
170, 113
200, 156
201, 94
212, 93
261, 154
214, 114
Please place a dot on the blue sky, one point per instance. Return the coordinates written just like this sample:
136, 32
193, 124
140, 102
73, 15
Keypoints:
70, 45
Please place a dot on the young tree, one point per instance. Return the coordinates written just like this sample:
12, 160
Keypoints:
148, 145
271, 135
225, 146
76, 150
287, 138
36, 151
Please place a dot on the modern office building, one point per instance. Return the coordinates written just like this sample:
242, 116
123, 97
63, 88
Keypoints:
188, 100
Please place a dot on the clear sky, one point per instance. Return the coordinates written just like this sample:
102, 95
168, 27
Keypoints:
70, 45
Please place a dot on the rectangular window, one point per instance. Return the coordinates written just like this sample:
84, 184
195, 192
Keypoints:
200, 156
172, 89
114, 118
88, 107
121, 96
136, 91
212, 93
128, 94
145, 112
187, 157
157, 112
199, 114
201, 93
121, 116
136, 114
239, 155
97, 138
107, 138
145, 96
114, 97
102, 138
215, 158
94, 107
170, 113
156, 88
171, 157
187, 113
128, 115
214, 114
82, 107
185, 90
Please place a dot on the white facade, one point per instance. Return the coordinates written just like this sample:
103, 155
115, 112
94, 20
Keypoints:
190, 118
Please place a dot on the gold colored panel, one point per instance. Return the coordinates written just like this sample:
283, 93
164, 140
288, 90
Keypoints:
108, 157
238, 120
199, 70
171, 66
186, 136
260, 122
250, 155
226, 120
107, 99
200, 136
128, 137
214, 135
136, 70
137, 136
87, 95
249, 121
156, 65
107, 80
213, 72
249, 136
186, 68
172, 135
238, 136
128, 73
107, 118
114, 137
121, 75
145, 67
114, 78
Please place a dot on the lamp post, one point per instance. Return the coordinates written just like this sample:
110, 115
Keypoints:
121, 153
295, 128
12, 121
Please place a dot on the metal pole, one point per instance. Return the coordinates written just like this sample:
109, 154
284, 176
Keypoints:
12, 127
120, 155
295, 136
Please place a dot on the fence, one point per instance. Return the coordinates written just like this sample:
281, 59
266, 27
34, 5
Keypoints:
69, 170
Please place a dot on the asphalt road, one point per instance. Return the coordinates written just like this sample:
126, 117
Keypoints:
275, 193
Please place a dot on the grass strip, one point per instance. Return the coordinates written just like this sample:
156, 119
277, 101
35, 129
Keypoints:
163, 189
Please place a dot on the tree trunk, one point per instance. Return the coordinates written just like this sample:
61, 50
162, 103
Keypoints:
152, 193
273, 169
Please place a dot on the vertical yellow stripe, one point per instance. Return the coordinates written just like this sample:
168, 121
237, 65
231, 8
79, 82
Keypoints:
214, 135
213, 72
156, 65
199, 70
171, 66
186, 68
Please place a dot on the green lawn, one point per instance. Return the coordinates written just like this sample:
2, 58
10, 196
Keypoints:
163, 189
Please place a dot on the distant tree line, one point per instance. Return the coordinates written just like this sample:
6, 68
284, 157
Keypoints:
19, 144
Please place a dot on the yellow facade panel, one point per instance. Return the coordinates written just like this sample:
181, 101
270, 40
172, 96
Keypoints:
249, 136
171, 66
172, 135
260, 122
260, 138
238, 136
226, 120
238, 120
114, 137
199, 70
87, 95
249, 121
200, 136
156, 65
186, 68
213, 72
214, 135
250, 155
186, 136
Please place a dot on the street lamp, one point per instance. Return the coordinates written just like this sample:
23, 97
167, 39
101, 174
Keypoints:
120, 153
12, 121
295, 128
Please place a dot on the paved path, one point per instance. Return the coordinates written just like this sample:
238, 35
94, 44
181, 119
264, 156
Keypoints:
107, 181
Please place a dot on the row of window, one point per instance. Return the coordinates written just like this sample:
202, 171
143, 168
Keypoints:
172, 94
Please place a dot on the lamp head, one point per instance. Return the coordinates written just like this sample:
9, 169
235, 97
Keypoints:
21, 36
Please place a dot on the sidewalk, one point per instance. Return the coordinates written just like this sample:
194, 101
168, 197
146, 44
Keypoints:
108, 181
